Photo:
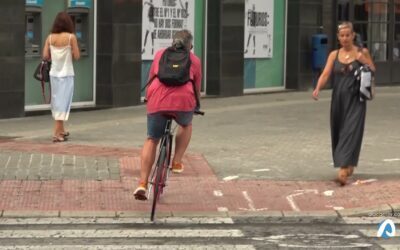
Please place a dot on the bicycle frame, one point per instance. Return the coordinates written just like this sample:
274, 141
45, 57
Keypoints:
160, 171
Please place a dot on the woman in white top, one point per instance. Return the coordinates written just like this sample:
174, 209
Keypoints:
61, 47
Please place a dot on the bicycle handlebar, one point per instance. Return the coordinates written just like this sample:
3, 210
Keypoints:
198, 112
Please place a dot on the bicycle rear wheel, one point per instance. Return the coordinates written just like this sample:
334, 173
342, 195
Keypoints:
159, 178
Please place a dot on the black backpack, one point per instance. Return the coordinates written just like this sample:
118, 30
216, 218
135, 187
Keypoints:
174, 67
174, 70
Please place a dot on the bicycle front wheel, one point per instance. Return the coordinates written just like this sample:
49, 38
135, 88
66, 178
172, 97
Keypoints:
159, 179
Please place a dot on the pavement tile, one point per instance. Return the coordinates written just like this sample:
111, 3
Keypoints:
29, 213
271, 180
198, 214
265, 214
88, 214
372, 211
314, 213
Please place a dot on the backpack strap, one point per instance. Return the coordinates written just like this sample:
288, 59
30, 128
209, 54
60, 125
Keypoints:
195, 94
42, 82
148, 83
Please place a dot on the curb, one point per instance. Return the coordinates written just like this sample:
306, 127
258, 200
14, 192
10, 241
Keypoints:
386, 210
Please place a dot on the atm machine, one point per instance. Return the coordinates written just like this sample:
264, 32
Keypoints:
79, 12
33, 28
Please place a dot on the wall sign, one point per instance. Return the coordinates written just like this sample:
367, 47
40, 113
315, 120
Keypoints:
258, 29
161, 19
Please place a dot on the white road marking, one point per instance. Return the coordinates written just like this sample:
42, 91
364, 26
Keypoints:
351, 245
390, 160
229, 178
125, 233
282, 240
290, 198
218, 193
369, 220
129, 247
30, 160
250, 202
329, 193
262, 170
78, 221
338, 208
8, 161
223, 209
372, 233
390, 247
358, 182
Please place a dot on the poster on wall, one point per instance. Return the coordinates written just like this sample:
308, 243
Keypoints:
258, 29
161, 19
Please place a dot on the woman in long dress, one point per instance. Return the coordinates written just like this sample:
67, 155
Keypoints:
347, 111
61, 47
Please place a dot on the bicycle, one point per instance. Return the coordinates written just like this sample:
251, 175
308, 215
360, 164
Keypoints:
160, 172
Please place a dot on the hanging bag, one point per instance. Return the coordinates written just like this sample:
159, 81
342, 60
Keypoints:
42, 74
366, 80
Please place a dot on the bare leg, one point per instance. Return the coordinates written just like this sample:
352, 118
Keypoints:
350, 170
62, 127
342, 175
182, 140
58, 127
147, 159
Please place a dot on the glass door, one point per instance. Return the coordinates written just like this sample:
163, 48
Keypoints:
374, 21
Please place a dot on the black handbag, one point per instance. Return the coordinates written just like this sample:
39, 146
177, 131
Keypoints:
42, 74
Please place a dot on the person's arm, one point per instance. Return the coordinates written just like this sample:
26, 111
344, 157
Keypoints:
325, 74
365, 58
198, 75
46, 50
75, 48
152, 75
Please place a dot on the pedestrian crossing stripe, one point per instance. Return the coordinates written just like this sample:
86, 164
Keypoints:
390, 247
130, 247
373, 233
126, 233
369, 220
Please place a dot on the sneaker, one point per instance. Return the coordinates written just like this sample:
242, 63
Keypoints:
177, 167
140, 192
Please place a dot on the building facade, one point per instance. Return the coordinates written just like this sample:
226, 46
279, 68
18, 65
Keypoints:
246, 46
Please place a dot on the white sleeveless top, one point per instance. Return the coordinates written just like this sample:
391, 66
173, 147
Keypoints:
61, 60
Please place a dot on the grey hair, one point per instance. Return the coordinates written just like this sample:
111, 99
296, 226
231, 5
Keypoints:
182, 39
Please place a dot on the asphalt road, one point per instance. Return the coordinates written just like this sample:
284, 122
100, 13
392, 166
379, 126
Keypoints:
194, 233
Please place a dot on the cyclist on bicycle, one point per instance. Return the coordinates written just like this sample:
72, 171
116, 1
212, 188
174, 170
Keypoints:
178, 102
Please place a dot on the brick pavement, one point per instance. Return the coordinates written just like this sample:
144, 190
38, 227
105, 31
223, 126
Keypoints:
275, 148
197, 190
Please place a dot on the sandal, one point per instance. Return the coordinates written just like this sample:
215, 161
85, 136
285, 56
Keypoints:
342, 176
64, 134
59, 139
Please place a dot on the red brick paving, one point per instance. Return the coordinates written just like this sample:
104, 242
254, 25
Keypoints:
191, 191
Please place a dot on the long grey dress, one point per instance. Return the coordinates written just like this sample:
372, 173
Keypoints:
347, 115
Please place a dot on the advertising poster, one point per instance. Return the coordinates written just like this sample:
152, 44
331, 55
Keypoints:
258, 29
161, 19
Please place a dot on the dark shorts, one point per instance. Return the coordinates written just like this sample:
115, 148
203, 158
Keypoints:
156, 122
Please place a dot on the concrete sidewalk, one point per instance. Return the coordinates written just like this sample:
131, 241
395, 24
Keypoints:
249, 154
